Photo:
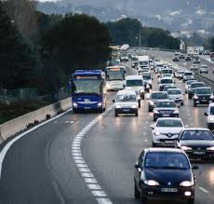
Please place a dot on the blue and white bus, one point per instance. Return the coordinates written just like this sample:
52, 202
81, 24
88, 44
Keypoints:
88, 90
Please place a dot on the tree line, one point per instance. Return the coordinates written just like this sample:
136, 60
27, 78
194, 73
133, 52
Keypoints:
42, 51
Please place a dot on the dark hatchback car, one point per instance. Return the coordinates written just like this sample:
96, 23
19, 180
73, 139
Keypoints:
165, 108
164, 173
197, 143
203, 95
192, 88
154, 97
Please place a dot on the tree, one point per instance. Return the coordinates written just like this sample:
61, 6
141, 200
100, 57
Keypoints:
16, 56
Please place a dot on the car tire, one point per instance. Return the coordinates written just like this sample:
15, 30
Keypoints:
189, 96
136, 114
194, 104
154, 119
136, 192
154, 145
75, 111
190, 201
139, 104
182, 103
115, 114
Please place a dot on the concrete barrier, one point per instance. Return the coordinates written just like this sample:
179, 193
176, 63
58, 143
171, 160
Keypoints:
28, 120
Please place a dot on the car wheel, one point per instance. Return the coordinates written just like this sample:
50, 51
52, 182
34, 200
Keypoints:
139, 104
190, 201
182, 103
136, 192
154, 119
115, 114
194, 104
75, 111
154, 145
136, 114
142, 96
149, 108
189, 96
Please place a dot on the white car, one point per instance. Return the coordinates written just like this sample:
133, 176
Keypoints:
166, 130
188, 75
165, 81
176, 95
203, 69
210, 116
126, 102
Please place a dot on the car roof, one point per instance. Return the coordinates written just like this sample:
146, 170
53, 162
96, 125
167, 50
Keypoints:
165, 100
159, 149
158, 92
204, 87
169, 118
170, 89
196, 128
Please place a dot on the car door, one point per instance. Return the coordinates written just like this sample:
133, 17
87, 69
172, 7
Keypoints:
139, 169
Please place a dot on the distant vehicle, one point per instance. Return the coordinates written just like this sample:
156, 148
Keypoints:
192, 88
167, 173
147, 78
187, 85
190, 50
176, 95
126, 102
188, 75
206, 52
203, 69
115, 77
154, 97
195, 67
165, 81
124, 57
203, 95
166, 130
135, 82
165, 108
198, 143
124, 47
196, 61
188, 58
179, 73
181, 56
88, 91
175, 59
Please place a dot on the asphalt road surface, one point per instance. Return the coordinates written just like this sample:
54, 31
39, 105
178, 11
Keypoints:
89, 158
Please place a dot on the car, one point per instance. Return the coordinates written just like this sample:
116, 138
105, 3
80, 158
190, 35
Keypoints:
196, 61
165, 108
165, 131
154, 97
187, 85
135, 82
176, 94
175, 59
206, 52
164, 173
147, 78
181, 56
164, 81
203, 95
188, 75
124, 57
179, 73
203, 69
126, 102
193, 86
188, 58
165, 88
210, 116
197, 143
194, 67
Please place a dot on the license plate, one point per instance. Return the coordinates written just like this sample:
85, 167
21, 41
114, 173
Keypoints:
169, 190
88, 108
166, 115
199, 152
126, 110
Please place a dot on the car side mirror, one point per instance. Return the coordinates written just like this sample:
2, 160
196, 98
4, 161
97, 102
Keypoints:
113, 100
152, 126
206, 114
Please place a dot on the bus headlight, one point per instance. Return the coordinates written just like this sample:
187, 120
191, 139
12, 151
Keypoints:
75, 105
99, 104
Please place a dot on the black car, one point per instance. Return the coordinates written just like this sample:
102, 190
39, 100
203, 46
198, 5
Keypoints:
197, 143
175, 59
165, 108
202, 95
193, 86
188, 58
154, 96
164, 173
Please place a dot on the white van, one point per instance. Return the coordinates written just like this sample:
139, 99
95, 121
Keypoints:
135, 82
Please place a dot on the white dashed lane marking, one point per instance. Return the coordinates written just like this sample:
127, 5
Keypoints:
86, 173
203, 189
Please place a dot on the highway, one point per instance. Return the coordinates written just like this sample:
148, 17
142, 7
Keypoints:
89, 158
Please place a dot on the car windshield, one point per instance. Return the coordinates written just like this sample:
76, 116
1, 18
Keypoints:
189, 82
174, 92
134, 82
126, 98
188, 74
159, 96
195, 85
165, 104
169, 123
197, 135
166, 81
203, 91
166, 160
148, 77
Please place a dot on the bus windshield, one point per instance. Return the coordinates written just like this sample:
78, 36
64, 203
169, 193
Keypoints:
87, 86
115, 74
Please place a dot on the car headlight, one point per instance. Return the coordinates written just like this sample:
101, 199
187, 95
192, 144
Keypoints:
151, 183
185, 148
187, 183
175, 112
156, 132
107, 86
99, 104
195, 97
134, 106
151, 103
118, 106
75, 105
210, 148
211, 97
142, 90
155, 111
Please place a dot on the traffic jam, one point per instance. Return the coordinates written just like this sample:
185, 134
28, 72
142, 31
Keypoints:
166, 170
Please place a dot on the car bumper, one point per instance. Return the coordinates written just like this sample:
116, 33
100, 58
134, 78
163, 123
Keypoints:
161, 192
200, 154
163, 140
203, 101
156, 115
126, 110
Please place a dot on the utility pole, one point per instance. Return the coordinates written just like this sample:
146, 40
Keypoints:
140, 33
